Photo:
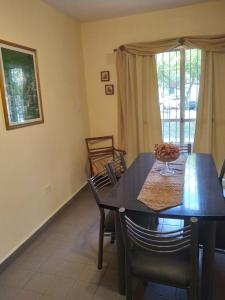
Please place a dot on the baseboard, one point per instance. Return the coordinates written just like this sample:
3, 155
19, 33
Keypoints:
16, 252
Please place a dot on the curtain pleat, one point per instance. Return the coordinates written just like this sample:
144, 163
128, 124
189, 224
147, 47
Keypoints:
139, 115
210, 124
214, 43
139, 124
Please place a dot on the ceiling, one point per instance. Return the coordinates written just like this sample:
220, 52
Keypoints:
89, 10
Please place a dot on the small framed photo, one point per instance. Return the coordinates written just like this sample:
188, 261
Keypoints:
20, 86
105, 76
109, 89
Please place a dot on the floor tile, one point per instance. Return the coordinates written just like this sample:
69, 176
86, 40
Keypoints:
61, 264
27, 295
39, 282
91, 274
15, 277
82, 291
71, 270
7, 293
51, 266
59, 287
105, 292
46, 297
110, 278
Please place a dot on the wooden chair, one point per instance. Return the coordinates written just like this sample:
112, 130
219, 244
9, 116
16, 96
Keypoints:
101, 150
169, 258
107, 226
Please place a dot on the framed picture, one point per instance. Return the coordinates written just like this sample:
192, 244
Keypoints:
20, 86
109, 89
105, 76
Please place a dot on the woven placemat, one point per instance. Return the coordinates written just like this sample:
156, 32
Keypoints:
160, 192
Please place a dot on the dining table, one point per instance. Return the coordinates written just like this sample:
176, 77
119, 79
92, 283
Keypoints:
202, 197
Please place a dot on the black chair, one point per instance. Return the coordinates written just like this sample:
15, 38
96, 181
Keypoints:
185, 148
220, 225
169, 258
107, 225
115, 168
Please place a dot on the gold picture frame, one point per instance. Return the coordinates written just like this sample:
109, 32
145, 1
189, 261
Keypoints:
20, 85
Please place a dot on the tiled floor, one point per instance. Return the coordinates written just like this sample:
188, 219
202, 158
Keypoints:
61, 263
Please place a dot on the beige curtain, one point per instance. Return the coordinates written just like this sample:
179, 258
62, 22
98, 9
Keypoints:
139, 114
208, 43
210, 125
135, 121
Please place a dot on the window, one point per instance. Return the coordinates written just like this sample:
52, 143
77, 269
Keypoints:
178, 82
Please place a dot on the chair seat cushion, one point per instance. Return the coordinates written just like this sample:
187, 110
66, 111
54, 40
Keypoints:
109, 222
171, 269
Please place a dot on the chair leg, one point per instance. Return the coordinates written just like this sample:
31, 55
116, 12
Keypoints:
100, 242
145, 283
153, 223
112, 237
128, 286
192, 294
156, 221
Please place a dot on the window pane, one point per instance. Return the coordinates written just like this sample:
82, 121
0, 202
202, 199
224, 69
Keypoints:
171, 131
169, 72
192, 77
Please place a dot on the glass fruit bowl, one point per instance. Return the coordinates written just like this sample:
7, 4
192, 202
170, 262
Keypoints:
166, 153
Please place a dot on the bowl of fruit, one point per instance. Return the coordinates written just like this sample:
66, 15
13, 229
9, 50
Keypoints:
166, 152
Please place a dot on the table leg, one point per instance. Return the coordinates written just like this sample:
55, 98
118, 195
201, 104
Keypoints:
120, 255
209, 237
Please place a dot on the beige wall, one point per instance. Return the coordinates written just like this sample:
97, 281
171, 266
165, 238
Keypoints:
100, 38
52, 154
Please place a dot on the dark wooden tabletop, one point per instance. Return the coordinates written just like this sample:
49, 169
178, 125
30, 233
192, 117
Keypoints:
202, 196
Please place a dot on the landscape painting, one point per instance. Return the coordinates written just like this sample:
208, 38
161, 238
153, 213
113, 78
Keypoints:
20, 86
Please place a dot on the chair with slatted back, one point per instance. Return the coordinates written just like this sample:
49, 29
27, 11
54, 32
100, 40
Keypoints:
169, 258
222, 172
185, 148
116, 168
220, 225
101, 150
98, 184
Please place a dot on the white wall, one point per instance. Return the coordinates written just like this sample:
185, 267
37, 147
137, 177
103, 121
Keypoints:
52, 153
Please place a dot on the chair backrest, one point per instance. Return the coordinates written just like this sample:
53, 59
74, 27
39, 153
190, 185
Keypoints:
222, 171
115, 168
185, 148
100, 150
168, 242
100, 145
97, 183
